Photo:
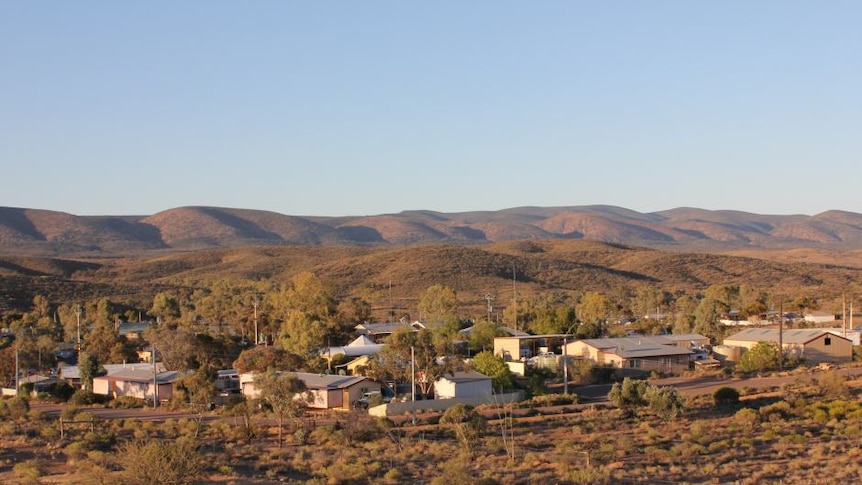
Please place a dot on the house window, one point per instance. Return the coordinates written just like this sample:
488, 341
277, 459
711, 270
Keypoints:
827, 341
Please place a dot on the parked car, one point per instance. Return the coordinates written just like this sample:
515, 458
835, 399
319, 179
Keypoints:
370, 398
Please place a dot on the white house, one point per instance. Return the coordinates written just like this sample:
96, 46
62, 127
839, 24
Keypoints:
138, 383
328, 391
462, 384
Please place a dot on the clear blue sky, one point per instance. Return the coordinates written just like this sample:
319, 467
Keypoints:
359, 108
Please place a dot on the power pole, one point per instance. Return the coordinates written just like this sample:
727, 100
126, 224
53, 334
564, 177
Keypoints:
78, 311
489, 297
781, 336
413, 383
255, 303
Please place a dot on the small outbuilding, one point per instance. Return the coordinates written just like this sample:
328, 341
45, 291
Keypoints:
815, 345
462, 384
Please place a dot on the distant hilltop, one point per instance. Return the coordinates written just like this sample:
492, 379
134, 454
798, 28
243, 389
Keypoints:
51, 233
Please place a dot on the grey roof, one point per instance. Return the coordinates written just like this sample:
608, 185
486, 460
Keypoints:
791, 336
73, 372
125, 328
385, 327
634, 347
327, 381
680, 337
466, 376
500, 328
142, 375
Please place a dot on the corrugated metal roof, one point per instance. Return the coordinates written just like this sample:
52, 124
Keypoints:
633, 347
790, 336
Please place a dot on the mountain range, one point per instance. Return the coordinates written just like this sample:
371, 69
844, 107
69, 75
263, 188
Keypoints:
38, 232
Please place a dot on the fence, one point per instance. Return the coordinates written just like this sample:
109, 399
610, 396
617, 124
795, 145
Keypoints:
392, 409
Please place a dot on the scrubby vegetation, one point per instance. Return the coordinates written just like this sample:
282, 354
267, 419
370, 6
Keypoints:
780, 436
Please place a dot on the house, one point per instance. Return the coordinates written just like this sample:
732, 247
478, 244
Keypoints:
132, 330
815, 345
635, 353
379, 331
684, 340
72, 373
138, 383
328, 391
361, 345
501, 329
854, 334
462, 384
819, 317
227, 380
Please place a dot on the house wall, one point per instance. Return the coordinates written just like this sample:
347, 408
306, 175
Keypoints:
508, 348
446, 389
839, 350
579, 349
670, 363
743, 344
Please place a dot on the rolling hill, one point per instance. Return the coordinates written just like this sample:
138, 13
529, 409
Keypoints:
50, 233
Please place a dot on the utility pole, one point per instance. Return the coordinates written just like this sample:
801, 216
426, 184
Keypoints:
255, 303
413, 383
155, 378
781, 336
78, 311
489, 297
514, 298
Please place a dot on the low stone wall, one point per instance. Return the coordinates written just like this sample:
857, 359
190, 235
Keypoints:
396, 408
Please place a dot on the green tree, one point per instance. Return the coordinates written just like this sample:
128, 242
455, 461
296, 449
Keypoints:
260, 359
166, 307
306, 310
684, 308
430, 349
286, 395
629, 394
665, 401
594, 308
707, 318
466, 423
88, 368
482, 335
763, 356
438, 305
494, 367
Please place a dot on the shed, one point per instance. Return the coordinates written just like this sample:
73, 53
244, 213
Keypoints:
462, 384
815, 345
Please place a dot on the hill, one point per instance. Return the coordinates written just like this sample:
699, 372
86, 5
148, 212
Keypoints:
395, 276
48, 233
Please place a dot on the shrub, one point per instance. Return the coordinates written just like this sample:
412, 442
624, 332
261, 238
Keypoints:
176, 462
725, 396
27, 472
82, 398
629, 394
127, 402
15, 408
553, 400
665, 401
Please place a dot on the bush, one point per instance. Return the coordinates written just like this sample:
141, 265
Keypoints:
27, 472
15, 408
176, 462
725, 396
82, 398
127, 402
553, 400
